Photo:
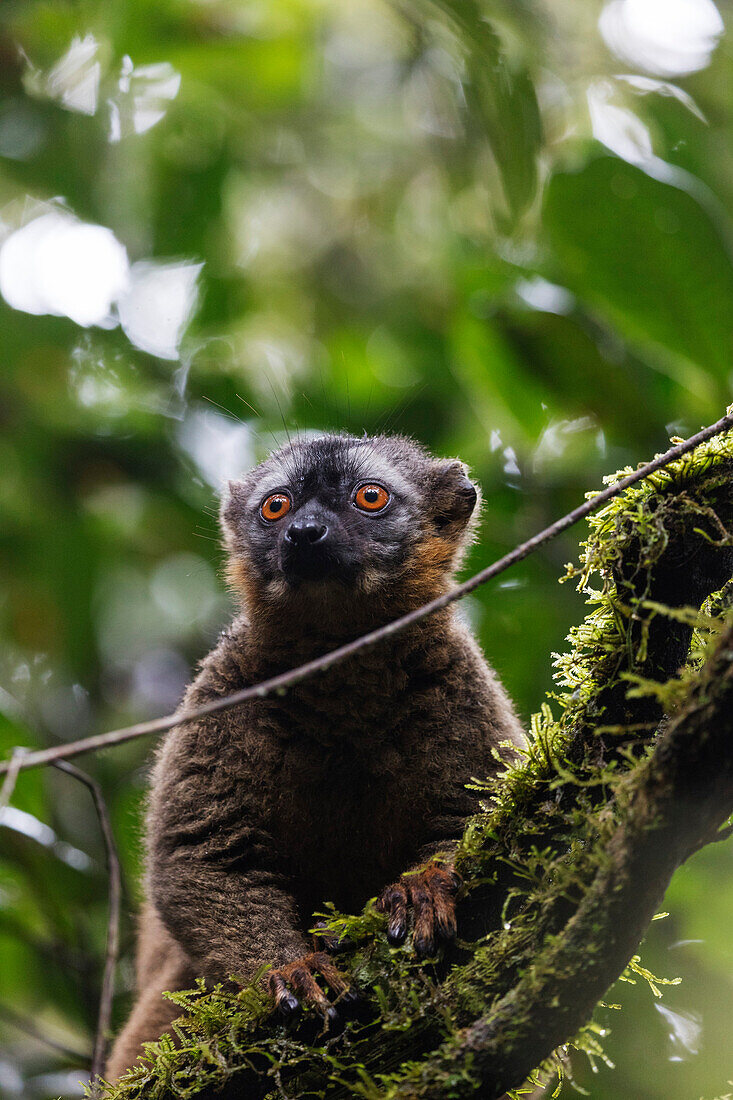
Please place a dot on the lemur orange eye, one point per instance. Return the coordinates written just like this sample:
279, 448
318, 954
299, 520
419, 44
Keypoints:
275, 507
371, 498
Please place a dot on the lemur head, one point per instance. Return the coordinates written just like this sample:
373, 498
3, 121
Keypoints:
343, 526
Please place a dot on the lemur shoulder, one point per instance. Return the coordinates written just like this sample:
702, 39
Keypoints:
261, 813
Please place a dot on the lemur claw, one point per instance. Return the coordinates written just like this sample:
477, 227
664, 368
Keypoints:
294, 986
431, 894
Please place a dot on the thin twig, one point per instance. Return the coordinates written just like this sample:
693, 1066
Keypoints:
28, 1027
12, 771
320, 664
113, 917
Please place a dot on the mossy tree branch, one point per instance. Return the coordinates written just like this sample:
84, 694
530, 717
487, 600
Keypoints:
669, 806
667, 549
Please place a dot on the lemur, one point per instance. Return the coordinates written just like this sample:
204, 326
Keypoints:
260, 813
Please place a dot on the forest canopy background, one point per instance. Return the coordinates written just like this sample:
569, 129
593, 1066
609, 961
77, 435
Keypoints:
501, 228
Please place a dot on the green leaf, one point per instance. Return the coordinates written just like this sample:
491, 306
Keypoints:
501, 93
651, 258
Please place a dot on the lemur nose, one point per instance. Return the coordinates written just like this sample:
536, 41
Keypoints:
306, 532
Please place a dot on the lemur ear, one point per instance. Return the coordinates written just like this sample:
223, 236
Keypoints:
454, 496
232, 504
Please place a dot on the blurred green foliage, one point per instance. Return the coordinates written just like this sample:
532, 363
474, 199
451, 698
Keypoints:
470, 222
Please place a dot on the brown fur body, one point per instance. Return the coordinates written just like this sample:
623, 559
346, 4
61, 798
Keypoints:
261, 813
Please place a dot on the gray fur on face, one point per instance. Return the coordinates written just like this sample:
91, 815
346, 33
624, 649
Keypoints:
321, 476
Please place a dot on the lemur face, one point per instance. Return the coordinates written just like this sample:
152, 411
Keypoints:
344, 511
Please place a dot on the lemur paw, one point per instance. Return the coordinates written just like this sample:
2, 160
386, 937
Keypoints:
431, 892
295, 985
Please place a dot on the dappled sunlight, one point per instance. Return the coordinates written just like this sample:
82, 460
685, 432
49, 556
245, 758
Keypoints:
59, 265
220, 446
74, 79
11, 1081
157, 305
142, 97
667, 37
65, 1083
21, 822
685, 1032
644, 85
618, 128
566, 442
134, 98
145, 620
545, 296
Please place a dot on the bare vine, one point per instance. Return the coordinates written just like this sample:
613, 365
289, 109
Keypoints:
104, 1016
